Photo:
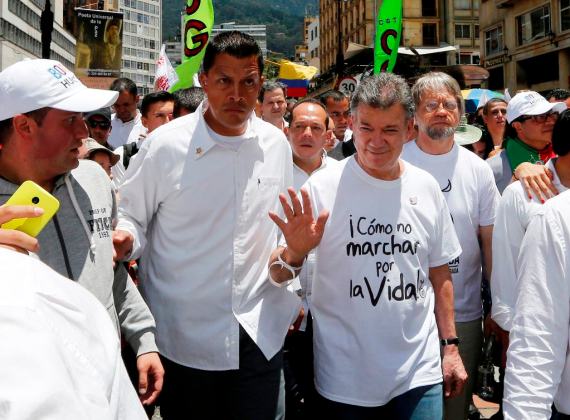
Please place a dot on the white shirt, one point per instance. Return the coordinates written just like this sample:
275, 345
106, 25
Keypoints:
121, 131
200, 213
375, 333
538, 360
60, 353
469, 189
513, 216
118, 170
302, 283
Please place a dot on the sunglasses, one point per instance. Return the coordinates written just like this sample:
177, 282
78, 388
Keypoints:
103, 124
540, 118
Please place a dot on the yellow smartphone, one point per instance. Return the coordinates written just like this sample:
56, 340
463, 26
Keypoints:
31, 194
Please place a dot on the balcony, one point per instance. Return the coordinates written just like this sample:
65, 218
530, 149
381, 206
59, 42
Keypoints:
501, 4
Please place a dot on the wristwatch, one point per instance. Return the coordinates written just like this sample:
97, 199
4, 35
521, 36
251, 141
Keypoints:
448, 341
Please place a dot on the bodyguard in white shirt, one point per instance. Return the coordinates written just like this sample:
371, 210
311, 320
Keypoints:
195, 205
538, 360
382, 288
127, 119
515, 213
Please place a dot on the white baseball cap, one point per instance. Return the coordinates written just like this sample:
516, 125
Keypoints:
33, 84
531, 103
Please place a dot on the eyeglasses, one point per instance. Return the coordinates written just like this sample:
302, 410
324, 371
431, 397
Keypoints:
103, 124
540, 118
433, 105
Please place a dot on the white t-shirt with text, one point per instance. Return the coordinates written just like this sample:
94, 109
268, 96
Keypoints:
375, 332
469, 189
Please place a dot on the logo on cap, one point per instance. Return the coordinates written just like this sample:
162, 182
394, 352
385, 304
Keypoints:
59, 72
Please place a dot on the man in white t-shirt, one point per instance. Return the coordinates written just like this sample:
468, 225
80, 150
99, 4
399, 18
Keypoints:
472, 197
538, 360
381, 289
513, 217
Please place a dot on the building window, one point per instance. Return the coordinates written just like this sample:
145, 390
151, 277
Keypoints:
429, 34
533, 25
429, 8
494, 41
475, 4
462, 4
564, 15
463, 31
476, 31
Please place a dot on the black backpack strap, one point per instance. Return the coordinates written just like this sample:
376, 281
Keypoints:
129, 150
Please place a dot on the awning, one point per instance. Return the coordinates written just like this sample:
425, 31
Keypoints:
425, 51
355, 49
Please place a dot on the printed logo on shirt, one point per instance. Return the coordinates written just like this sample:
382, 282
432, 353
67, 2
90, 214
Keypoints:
379, 243
454, 266
448, 187
100, 223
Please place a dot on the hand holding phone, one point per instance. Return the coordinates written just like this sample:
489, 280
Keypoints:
31, 194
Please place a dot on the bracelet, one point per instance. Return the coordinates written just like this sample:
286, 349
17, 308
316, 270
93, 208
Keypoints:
282, 264
449, 341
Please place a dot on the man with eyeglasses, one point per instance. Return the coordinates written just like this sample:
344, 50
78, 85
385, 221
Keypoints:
99, 125
469, 189
532, 119
337, 106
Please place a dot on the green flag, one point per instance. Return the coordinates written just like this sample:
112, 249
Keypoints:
388, 33
198, 23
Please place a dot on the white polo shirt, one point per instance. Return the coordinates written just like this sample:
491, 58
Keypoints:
60, 353
198, 210
121, 131
513, 216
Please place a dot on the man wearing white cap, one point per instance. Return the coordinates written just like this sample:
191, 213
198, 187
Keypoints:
41, 130
469, 189
532, 119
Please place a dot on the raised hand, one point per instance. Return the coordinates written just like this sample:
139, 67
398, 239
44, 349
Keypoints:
301, 231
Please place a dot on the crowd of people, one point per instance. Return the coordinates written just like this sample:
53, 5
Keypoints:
262, 258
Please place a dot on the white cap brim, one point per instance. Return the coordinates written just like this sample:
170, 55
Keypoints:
87, 100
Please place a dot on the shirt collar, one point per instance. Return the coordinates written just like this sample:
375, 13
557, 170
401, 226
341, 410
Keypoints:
323, 163
202, 142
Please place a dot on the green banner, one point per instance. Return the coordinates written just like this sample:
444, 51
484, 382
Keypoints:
388, 33
198, 23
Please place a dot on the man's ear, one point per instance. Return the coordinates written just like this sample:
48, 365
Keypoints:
286, 131
350, 122
203, 79
23, 125
144, 121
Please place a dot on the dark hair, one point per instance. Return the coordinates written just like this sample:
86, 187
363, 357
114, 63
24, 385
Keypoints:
491, 102
234, 43
560, 143
6, 126
335, 95
558, 94
188, 99
124, 84
382, 91
154, 97
309, 101
270, 86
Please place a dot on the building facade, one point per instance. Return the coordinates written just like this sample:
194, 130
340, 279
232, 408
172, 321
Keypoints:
426, 24
526, 44
258, 32
20, 33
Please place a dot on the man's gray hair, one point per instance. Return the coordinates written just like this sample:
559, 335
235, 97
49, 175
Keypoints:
382, 91
434, 82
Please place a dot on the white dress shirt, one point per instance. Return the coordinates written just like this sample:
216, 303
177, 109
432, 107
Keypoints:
513, 216
120, 131
199, 211
538, 360
60, 353
118, 170
302, 284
